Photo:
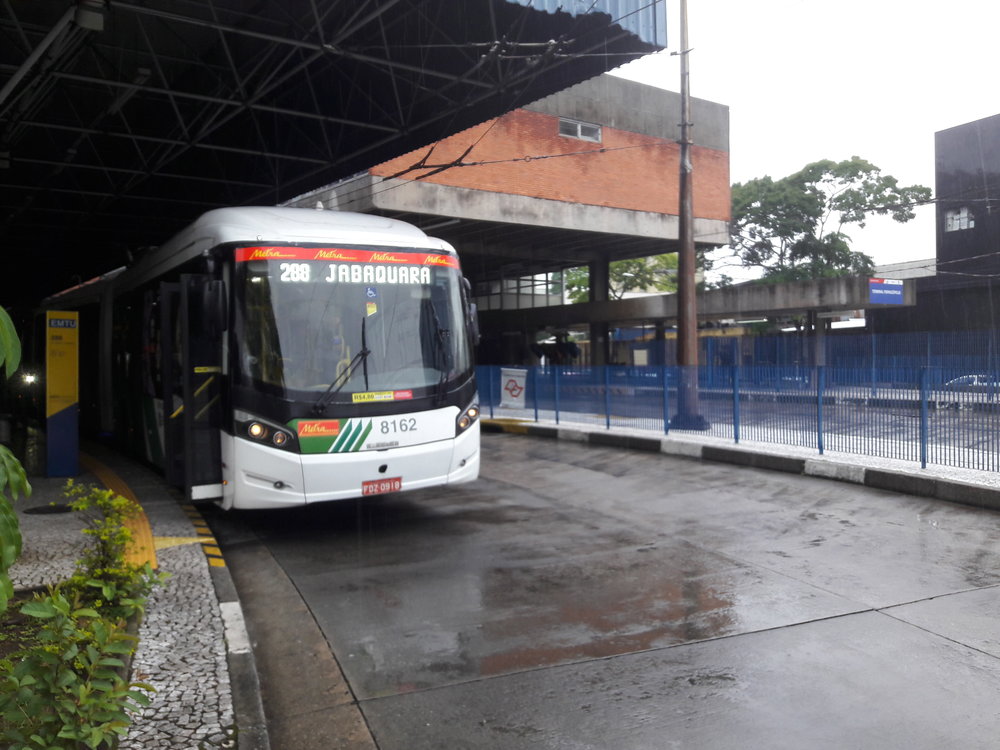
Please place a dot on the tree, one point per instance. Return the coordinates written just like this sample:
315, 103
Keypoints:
13, 479
655, 273
793, 228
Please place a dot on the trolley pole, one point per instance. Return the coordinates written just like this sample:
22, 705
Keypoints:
688, 415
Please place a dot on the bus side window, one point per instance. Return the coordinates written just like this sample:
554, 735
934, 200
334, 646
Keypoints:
151, 382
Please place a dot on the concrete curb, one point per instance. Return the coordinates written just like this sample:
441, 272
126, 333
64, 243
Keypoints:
949, 490
248, 708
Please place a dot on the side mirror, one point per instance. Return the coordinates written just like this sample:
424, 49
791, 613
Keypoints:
474, 322
471, 311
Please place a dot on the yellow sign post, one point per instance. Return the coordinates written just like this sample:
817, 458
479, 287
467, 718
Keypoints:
62, 393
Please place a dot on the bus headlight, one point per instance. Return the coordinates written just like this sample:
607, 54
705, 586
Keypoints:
467, 418
262, 431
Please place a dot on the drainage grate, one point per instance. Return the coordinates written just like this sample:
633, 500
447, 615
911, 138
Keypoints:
50, 508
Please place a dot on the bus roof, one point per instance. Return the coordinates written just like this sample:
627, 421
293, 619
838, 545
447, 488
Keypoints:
277, 224
267, 225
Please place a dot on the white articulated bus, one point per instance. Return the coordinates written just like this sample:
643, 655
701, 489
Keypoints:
269, 357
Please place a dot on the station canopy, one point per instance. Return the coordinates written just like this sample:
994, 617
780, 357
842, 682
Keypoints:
121, 121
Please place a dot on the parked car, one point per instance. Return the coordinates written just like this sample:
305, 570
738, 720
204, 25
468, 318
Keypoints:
973, 384
987, 385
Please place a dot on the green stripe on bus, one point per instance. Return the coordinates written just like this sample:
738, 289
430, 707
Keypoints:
346, 430
361, 439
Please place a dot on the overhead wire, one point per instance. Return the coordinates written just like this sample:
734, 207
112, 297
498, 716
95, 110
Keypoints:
527, 158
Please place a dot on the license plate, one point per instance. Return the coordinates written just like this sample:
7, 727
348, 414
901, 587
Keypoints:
381, 486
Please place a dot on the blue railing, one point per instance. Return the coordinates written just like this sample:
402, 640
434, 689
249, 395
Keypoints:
930, 415
856, 351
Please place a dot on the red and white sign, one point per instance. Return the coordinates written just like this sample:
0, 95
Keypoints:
345, 255
512, 387
382, 486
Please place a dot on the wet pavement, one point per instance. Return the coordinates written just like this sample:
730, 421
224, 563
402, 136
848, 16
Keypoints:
594, 597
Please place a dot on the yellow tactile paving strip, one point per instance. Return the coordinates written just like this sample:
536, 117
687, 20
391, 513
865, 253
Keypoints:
205, 538
518, 426
144, 544
142, 549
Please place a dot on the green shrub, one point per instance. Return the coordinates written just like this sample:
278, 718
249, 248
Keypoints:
13, 480
103, 578
69, 690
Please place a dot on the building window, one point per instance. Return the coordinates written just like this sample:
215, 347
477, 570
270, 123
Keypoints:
956, 219
582, 130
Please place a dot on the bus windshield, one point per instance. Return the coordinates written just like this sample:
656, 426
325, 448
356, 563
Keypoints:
349, 320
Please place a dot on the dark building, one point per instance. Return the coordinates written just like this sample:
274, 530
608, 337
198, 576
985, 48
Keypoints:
964, 294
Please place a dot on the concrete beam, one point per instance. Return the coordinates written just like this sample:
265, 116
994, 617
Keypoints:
367, 194
483, 205
741, 301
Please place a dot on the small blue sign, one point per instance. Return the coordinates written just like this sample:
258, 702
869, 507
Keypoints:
371, 292
885, 291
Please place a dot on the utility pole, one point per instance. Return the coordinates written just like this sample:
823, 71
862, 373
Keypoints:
688, 415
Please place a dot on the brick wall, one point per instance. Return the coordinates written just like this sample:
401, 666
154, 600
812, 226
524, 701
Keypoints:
627, 170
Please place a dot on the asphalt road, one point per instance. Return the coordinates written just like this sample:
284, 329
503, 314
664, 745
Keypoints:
584, 597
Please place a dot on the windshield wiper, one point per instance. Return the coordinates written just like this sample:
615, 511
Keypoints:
443, 353
361, 358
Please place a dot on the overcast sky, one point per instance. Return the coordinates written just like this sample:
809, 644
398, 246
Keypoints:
807, 80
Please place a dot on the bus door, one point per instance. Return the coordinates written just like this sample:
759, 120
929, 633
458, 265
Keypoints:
192, 385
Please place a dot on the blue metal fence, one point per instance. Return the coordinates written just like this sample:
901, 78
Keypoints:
930, 415
855, 352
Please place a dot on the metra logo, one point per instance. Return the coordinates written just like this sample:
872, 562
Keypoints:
388, 258
437, 260
319, 428
335, 255
269, 253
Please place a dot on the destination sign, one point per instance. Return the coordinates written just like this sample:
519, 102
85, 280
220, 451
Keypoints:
346, 255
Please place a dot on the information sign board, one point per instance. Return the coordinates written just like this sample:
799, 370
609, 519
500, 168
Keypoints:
885, 291
62, 393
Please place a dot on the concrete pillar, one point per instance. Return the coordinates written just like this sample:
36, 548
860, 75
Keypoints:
600, 284
599, 344
818, 330
600, 280
659, 344
820, 357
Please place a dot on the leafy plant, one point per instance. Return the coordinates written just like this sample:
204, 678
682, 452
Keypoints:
103, 578
13, 480
69, 690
